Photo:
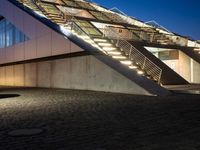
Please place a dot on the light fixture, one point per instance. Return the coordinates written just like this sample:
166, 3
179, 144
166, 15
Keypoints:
126, 62
84, 37
196, 49
104, 44
133, 67
119, 57
140, 72
109, 48
100, 40
114, 53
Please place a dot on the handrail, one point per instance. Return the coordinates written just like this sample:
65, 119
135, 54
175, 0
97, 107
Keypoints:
157, 25
134, 54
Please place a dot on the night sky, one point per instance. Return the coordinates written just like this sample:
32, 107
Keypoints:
179, 16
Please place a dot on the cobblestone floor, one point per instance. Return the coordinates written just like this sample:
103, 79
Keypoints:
85, 120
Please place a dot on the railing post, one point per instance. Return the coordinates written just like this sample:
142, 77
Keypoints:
130, 51
140, 35
143, 66
159, 78
152, 37
117, 42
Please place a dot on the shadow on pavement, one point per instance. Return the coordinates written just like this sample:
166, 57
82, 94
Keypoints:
8, 95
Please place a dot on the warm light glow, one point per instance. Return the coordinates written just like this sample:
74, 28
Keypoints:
126, 62
119, 57
197, 49
109, 48
100, 40
133, 67
114, 53
164, 43
84, 37
104, 44
140, 72
89, 41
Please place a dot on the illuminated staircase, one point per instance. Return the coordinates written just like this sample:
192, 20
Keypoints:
116, 48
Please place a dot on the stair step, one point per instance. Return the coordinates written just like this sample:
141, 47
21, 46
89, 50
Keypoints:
85, 37
126, 62
196, 49
109, 48
114, 53
57, 19
105, 44
140, 72
54, 16
133, 67
100, 40
119, 57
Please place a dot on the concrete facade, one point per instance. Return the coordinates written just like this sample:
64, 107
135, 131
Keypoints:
85, 72
186, 67
43, 40
196, 72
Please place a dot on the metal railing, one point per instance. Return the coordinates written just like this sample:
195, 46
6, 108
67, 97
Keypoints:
135, 55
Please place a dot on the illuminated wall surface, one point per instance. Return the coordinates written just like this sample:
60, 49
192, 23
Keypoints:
63, 29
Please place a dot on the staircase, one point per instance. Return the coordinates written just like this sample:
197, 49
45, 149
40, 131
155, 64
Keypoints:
151, 35
30, 4
116, 48
161, 39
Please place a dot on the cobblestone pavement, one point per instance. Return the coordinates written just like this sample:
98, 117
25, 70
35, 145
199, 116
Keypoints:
85, 120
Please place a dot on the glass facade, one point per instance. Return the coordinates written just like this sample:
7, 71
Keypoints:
9, 34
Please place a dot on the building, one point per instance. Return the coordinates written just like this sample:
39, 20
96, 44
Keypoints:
80, 45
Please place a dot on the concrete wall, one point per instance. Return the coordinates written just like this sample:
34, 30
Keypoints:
85, 72
43, 40
186, 67
196, 72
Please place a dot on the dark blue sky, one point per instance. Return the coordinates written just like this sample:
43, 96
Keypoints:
180, 16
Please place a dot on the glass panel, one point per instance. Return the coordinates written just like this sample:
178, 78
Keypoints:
50, 8
2, 34
88, 28
70, 3
100, 16
85, 5
54, 1
75, 12
9, 34
114, 17
19, 36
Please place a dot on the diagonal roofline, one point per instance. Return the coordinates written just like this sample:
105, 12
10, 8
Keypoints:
150, 85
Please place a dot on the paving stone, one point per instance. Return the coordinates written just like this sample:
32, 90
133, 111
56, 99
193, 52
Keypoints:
25, 132
86, 120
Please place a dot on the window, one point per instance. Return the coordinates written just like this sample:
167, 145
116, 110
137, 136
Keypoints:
88, 28
85, 5
99, 15
9, 34
70, 3
2, 34
50, 8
